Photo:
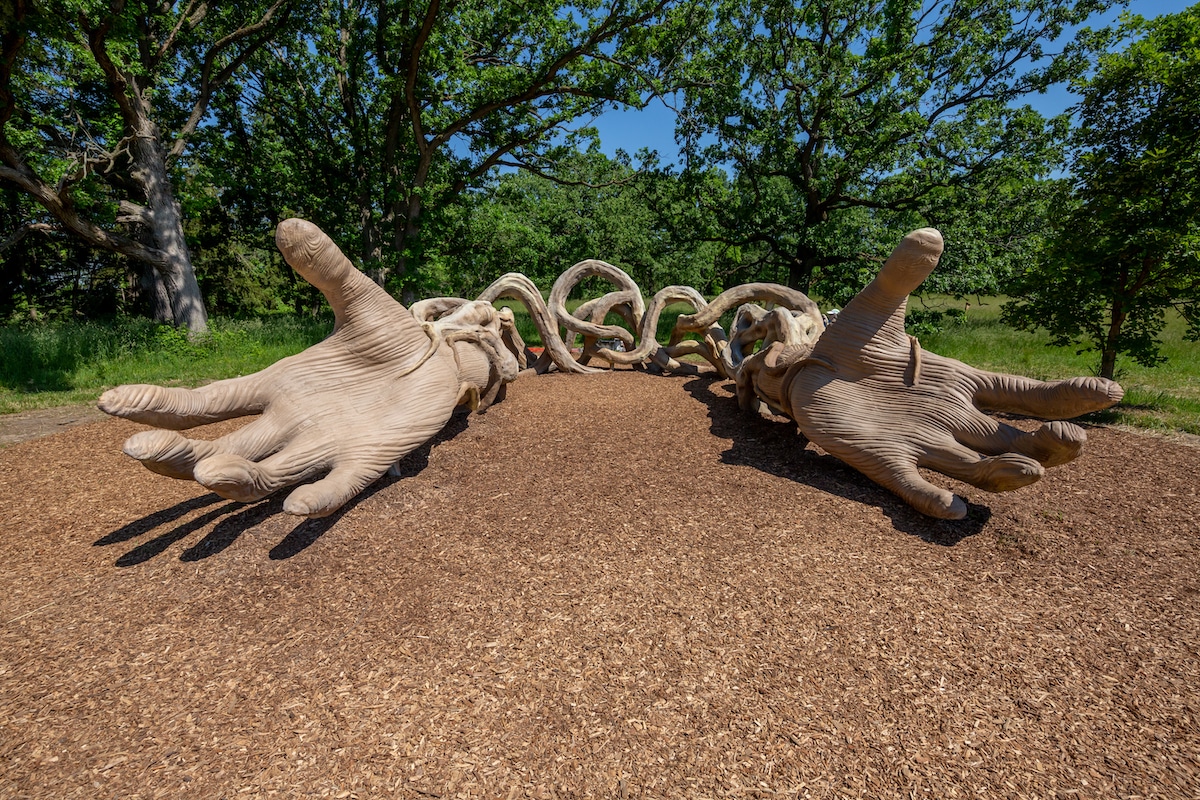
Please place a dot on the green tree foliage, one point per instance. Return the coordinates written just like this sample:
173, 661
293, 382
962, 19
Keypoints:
593, 207
993, 233
841, 120
98, 103
445, 143
1126, 243
379, 115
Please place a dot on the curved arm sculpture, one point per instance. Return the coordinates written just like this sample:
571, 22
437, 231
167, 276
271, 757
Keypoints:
387, 379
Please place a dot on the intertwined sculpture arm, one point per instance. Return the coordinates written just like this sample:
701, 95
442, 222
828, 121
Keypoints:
387, 379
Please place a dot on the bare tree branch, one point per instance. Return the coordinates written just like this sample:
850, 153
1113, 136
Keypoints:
62, 209
21, 232
550, 176
260, 33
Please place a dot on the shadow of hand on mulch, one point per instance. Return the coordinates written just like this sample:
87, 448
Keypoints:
246, 516
777, 448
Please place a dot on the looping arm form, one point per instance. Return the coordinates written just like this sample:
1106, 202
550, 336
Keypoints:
335, 417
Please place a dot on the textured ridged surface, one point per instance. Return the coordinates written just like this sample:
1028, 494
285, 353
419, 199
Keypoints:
872, 397
387, 380
629, 293
342, 411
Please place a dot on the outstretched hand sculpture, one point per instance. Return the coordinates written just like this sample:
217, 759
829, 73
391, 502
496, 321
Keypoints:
872, 397
378, 388
388, 379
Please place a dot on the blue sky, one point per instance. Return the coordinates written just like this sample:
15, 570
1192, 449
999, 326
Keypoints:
654, 127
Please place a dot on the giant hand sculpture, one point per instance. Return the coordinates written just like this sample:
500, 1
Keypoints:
351, 406
388, 379
871, 396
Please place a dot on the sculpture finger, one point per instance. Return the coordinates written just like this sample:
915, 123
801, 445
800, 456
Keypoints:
998, 473
168, 453
1045, 399
385, 331
1052, 444
323, 497
171, 454
237, 478
906, 268
870, 333
319, 261
904, 480
178, 409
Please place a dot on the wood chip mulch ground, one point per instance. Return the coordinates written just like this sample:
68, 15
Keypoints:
606, 586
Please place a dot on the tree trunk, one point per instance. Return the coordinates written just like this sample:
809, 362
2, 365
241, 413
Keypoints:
800, 268
405, 237
799, 275
1108, 355
166, 226
156, 292
371, 250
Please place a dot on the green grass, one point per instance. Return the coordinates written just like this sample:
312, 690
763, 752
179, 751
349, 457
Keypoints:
1166, 397
63, 364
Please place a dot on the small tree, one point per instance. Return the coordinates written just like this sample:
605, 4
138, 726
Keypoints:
1127, 235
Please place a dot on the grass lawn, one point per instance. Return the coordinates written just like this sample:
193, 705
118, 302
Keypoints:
52, 365
1166, 397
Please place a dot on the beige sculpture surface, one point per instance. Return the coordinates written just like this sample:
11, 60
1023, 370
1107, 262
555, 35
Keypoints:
387, 379
351, 406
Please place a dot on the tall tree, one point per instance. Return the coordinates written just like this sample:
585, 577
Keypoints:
98, 103
1126, 243
401, 105
833, 114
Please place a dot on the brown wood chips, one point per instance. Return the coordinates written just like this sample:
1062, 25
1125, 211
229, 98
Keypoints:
607, 586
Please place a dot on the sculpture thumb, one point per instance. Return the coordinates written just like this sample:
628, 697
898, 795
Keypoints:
384, 322
319, 261
908, 265
874, 319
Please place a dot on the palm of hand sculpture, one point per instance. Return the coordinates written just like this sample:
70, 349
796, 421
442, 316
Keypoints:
387, 380
350, 406
871, 396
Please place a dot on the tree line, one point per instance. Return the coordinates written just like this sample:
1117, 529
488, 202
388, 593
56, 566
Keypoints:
148, 149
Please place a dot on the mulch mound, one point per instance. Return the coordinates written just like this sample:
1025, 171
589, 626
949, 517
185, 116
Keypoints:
606, 586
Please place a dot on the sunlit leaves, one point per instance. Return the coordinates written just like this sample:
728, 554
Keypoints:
872, 105
1127, 239
409, 103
